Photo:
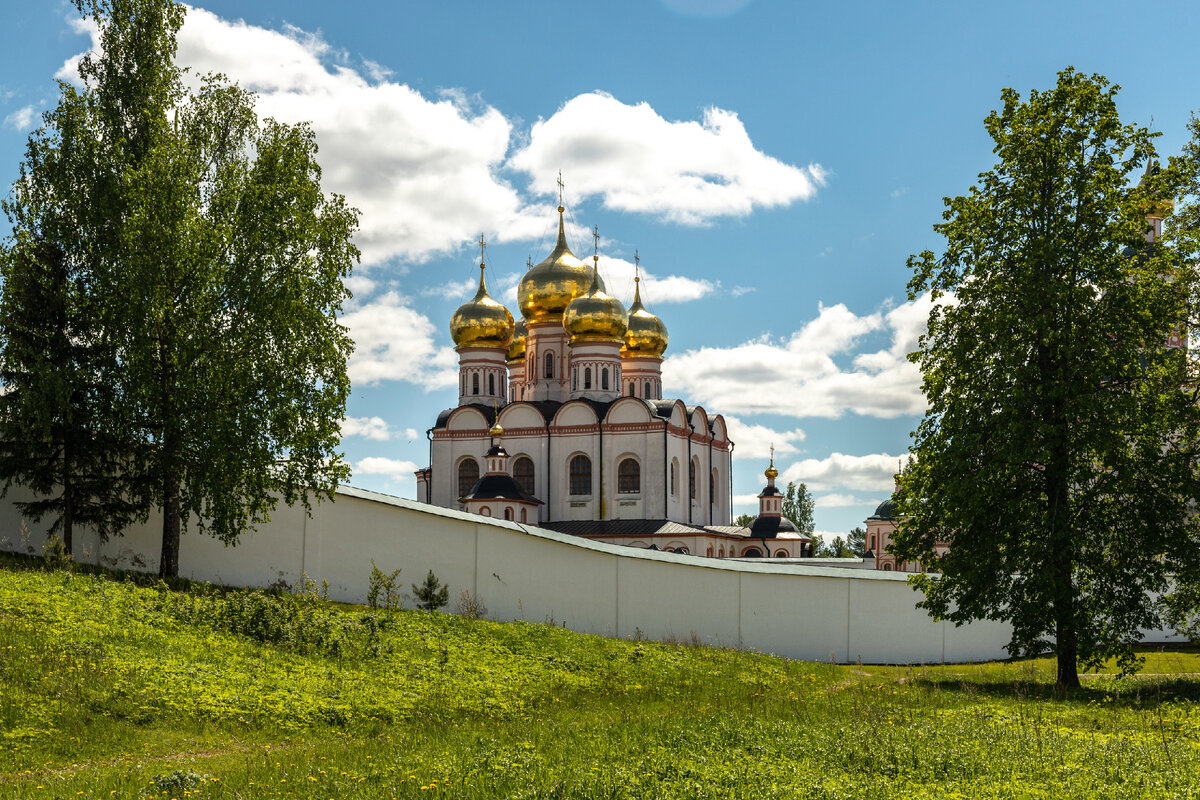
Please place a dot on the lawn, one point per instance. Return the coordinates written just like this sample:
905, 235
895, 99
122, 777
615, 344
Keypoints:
113, 688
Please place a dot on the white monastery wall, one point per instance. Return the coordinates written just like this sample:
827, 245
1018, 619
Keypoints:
523, 572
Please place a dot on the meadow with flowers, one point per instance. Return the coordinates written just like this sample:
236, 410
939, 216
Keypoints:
121, 686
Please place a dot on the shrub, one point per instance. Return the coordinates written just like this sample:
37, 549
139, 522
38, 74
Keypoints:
470, 605
382, 586
431, 595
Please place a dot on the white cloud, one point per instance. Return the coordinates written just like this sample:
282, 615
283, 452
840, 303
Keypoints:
744, 500
359, 286
870, 473
367, 427
618, 278
411, 433
738, 291
799, 375
452, 290
836, 500
392, 468
898, 192
754, 441
21, 120
685, 171
426, 172
394, 342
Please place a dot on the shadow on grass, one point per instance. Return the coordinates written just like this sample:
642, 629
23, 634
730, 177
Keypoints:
1134, 692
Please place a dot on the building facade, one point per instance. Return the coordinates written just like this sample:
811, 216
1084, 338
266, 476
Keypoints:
575, 387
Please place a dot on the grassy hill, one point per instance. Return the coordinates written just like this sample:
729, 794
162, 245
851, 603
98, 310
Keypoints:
111, 689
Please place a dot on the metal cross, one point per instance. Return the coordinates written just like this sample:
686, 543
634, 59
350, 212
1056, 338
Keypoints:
482, 248
637, 265
596, 237
561, 186
772, 452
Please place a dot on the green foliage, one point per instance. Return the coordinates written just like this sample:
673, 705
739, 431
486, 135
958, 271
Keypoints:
105, 691
856, 542
56, 555
744, 520
382, 588
1057, 455
212, 263
470, 605
429, 596
798, 507
837, 549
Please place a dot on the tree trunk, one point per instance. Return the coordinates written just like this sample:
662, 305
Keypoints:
68, 499
168, 566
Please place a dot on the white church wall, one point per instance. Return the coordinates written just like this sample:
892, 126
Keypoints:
532, 574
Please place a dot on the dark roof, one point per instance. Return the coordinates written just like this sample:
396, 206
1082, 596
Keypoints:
885, 510
618, 527
499, 487
769, 527
497, 450
770, 491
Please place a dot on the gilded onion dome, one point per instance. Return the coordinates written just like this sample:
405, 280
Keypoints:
647, 335
481, 322
516, 348
548, 287
597, 316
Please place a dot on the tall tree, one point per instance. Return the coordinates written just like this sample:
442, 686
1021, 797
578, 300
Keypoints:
214, 263
56, 437
798, 507
1058, 453
856, 541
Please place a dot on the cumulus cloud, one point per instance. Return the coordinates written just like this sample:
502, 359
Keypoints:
21, 120
390, 467
754, 441
392, 341
813, 372
618, 278
870, 473
367, 427
689, 172
836, 500
427, 172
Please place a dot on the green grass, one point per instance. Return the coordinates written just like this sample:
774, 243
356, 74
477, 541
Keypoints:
111, 689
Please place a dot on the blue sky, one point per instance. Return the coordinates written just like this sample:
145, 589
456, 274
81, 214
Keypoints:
773, 163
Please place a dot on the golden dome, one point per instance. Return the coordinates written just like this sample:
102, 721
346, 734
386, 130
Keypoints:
647, 336
516, 348
482, 322
547, 288
771, 472
597, 316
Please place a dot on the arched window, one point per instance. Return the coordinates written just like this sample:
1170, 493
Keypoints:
523, 473
752, 552
887, 567
550, 365
712, 486
491, 384
523, 517
646, 393
709, 551
631, 389
485, 512
692, 480
475, 383
781, 554
674, 477
462, 383
587, 377
468, 473
574, 379
604, 379
581, 475
629, 476
721, 552
508, 515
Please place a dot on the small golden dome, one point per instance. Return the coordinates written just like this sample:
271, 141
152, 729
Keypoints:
496, 431
597, 316
550, 286
647, 335
516, 348
771, 472
481, 322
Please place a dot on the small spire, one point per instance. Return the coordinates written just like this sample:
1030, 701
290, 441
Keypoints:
771, 472
496, 431
561, 186
637, 279
595, 260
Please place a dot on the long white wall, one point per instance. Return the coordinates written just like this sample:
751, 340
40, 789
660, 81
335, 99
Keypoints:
522, 572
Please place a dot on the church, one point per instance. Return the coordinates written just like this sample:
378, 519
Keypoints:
561, 423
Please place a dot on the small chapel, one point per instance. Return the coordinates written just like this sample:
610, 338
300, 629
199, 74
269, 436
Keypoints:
561, 423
